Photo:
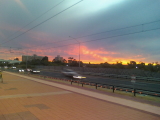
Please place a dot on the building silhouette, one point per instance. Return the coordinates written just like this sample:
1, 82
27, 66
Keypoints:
58, 58
30, 58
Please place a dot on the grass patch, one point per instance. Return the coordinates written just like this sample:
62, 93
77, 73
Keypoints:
142, 96
148, 97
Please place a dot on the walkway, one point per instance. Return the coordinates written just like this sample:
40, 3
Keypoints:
27, 98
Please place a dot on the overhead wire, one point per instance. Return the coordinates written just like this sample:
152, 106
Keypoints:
98, 33
42, 22
142, 30
85, 35
75, 38
35, 19
105, 38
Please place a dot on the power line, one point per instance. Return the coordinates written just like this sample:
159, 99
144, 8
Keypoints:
43, 21
11, 47
35, 19
106, 38
102, 33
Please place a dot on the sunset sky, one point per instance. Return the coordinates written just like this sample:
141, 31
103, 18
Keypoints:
106, 30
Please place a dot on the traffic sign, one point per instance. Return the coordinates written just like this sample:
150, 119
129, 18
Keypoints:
133, 79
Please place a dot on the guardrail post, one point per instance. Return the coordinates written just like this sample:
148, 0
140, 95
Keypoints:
96, 85
113, 88
71, 82
82, 84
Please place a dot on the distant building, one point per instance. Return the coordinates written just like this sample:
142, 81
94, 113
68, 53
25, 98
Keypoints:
58, 58
30, 58
9, 61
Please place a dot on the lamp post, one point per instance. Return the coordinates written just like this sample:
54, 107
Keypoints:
26, 60
79, 48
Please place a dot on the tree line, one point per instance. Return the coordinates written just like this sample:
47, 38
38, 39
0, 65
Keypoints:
153, 67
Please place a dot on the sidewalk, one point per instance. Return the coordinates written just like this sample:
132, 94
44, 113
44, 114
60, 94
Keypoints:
26, 98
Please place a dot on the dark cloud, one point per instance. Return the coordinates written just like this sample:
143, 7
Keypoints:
87, 22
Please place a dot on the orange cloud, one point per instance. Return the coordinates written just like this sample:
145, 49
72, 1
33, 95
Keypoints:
86, 54
98, 55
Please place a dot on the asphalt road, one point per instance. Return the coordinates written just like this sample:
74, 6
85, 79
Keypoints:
105, 80
109, 81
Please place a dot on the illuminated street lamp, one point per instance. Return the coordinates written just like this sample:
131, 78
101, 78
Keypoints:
79, 48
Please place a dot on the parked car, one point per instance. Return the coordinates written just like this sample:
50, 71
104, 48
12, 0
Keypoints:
72, 74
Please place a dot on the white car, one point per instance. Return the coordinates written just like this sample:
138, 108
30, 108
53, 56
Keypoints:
35, 71
21, 70
6, 67
28, 70
13, 67
72, 74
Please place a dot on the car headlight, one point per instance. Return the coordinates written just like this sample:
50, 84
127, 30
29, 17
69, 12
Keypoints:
83, 77
78, 77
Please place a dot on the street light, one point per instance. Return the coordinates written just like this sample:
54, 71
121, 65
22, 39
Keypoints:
26, 62
79, 48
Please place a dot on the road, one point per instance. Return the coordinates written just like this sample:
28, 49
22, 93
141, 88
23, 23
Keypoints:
106, 80
109, 81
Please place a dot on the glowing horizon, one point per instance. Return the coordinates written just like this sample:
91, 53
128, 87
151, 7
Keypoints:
93, 56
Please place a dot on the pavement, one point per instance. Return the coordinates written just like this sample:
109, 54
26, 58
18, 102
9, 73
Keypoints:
28, 98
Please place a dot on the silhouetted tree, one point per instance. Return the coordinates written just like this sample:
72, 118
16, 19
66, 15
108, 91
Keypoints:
16, 59
119, 65
105, 65
64, 61
141, 65
132, 64
44, 61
